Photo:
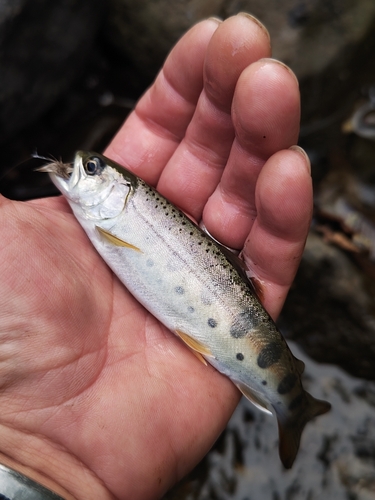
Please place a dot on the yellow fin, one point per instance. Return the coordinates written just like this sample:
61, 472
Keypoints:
199, 356
253, 398
197, 347
115, 240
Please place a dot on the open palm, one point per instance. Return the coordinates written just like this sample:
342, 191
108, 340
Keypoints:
97, 398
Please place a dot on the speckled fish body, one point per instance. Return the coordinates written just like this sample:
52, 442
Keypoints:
192, 285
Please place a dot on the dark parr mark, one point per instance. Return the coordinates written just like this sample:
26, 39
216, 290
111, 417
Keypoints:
269, 355
240, 356
243, 324
179, 290
191, 309
212, 322
287, 383
206, 299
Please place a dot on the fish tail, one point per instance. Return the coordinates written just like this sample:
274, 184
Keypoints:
290, 429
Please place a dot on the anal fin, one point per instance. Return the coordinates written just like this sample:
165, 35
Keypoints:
253, 398
199, 349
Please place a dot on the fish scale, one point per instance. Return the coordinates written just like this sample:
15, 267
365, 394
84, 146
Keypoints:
192, 284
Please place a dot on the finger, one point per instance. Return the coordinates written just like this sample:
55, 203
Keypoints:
274, 247
266, 113
153, 130
197, 165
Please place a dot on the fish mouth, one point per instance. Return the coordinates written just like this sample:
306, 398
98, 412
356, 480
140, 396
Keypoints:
65, 176
57, 167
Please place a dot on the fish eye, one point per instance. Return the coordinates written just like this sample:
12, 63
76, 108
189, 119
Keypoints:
94, 166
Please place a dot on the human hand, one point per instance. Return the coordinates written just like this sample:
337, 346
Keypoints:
98, 399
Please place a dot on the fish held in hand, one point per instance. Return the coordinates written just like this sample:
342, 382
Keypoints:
192, 284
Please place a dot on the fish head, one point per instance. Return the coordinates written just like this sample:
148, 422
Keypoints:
95, 187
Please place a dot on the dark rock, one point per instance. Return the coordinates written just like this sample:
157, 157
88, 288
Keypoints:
145, 31
333, 40
43, 46
330, 309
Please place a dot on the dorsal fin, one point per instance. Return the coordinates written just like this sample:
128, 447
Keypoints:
234, 257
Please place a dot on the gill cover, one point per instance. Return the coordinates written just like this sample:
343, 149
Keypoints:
101, 187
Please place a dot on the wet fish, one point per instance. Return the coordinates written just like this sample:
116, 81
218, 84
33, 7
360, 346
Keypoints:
193, 285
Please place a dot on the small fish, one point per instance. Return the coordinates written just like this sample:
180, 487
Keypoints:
192, 284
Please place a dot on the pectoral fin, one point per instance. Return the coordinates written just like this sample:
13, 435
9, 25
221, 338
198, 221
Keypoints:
115, 240
253, 398
197, 347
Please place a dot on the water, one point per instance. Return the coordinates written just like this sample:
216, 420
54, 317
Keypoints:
336, 458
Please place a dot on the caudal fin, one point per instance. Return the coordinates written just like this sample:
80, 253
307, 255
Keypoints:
290, 429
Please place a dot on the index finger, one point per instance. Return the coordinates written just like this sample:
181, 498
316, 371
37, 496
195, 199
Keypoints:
152, 132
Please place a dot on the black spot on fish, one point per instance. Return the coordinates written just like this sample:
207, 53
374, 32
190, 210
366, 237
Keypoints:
269, 355
287, 383
211, 322
264, 382
297, 402
240, 356
243, 324
179, 290
191, 309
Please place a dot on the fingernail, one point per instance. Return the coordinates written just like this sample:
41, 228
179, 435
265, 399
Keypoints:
215, 19
302, 152
270, 59
256, 21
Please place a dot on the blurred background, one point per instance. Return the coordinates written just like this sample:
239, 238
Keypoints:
72, 70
